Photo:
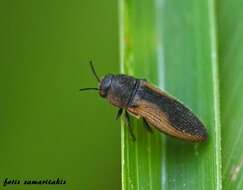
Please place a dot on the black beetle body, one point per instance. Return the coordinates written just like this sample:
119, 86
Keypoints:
154, 106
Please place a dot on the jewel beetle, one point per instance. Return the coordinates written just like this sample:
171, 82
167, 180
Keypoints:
155, 107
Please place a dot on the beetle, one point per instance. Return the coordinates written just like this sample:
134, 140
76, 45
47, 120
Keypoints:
155, 107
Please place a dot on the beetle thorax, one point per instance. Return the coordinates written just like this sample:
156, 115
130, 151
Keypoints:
121, 90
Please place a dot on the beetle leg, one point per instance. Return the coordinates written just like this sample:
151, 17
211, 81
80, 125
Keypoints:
119, 113
146, 125
127, 121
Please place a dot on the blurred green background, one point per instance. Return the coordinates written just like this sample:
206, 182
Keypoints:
48, 129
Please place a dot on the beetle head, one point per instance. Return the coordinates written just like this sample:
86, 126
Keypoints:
117, 89
105, 85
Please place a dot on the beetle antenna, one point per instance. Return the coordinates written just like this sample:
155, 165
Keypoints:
83, 89
94, 72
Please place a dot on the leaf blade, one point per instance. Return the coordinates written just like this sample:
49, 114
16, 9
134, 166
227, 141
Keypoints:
230, 51
152, 39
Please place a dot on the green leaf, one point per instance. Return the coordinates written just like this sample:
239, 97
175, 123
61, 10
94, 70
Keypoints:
231, 67
173, 45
